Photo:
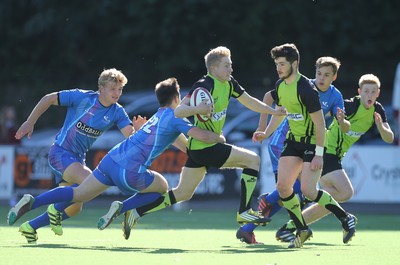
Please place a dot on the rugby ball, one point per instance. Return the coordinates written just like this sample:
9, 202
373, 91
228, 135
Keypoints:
198, 95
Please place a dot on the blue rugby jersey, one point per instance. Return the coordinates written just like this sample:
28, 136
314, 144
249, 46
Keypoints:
86, 119
153, 138
330, 100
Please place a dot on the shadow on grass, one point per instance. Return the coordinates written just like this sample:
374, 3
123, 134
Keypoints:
223, 219
222, 250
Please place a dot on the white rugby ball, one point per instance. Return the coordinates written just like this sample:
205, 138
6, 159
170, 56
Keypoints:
198, 95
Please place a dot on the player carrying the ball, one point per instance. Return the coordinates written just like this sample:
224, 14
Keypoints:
127, 164
201, 156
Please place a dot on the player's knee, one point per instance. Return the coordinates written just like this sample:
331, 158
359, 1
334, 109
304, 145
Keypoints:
340, 193
346, 195
161, 186
257, 161
283, 189
309, 193
312, 196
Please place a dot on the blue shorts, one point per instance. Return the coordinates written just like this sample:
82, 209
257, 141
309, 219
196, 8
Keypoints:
274, 155
59, 159
110, 173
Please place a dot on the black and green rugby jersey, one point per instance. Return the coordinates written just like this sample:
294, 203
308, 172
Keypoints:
300, 99
361, 120
221, 93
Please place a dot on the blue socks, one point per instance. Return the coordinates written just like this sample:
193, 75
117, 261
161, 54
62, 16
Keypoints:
43, 220
139, 199
63, 195
59, 194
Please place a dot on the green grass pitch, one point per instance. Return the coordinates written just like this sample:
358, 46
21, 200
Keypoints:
196, 236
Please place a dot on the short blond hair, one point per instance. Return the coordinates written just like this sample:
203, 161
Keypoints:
112, 75
328, 61
369, 79
215, 55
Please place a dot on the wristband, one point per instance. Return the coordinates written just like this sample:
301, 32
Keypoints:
319, 150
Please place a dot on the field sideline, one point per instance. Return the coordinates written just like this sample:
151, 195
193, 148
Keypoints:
197, 236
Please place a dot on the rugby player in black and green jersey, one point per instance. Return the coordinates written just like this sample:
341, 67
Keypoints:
201, 156
361, 113
302, 155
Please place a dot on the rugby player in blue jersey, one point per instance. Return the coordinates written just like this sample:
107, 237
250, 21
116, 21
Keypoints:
326, 70
127, 164
89, 114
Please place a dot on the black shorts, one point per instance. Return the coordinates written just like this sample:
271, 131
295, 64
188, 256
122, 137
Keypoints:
213, 156
302, 150
331, 163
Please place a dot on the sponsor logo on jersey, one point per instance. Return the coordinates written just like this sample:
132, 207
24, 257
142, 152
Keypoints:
295, 116
107, 119
324, 104
354, 134
87, 130
217, 116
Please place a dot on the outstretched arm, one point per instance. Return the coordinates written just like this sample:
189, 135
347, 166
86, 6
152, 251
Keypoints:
206, 136
181, 142
137, 122
262, 123
199, 134
28, 126
256, 105
273, 124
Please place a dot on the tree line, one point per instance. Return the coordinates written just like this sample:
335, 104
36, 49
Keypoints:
53, 45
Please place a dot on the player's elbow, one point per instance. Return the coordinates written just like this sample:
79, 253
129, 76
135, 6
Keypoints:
179, 112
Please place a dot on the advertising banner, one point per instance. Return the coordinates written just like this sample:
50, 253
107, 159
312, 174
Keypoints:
32, 173
6, 171
374, 172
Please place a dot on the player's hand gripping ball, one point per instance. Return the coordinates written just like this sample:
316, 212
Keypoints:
198, 95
